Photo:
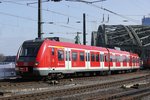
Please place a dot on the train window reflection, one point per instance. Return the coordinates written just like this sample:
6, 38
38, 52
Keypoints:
74, 56
101, 57
92, 57
29, 51
60, 55
81, 56
52, 51
97, 57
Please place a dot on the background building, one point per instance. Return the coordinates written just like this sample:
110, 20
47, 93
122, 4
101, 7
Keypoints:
146, 21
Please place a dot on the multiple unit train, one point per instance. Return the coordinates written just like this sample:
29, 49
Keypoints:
47, 58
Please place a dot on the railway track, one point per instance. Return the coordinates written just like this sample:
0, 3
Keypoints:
24, 83
75, 90
133, 93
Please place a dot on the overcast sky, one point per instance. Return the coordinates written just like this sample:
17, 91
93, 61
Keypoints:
18, 21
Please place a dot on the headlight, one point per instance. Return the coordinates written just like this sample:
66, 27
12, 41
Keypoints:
36, 63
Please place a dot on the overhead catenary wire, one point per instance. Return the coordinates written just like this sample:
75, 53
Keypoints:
69, 16
83, 1
26, 18
59, 13
122, 16
30, 19
105, 9
21, 17
55, 12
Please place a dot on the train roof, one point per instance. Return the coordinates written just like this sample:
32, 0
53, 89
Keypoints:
34, 40
72, 45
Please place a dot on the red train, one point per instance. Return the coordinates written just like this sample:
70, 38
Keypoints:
48, 58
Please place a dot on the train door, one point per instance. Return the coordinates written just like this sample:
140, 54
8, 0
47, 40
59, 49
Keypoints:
74, 58
118, 60
92, 58
60, 58
95, 61
68, 60
121, 61
87, 59
102, 60
81, 59
53, 62
111, 60
106, 60
130, 61
124, 61
135, 62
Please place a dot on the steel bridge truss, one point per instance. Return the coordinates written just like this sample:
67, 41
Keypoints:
134, 38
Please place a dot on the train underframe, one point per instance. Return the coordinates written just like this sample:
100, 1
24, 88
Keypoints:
55, 75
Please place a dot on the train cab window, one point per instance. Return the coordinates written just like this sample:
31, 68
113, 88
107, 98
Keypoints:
97, 57
81, 56
101, 57
74, 56
60, 55
53, 51
92, 57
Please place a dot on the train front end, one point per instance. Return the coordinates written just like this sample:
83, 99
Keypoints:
26, 58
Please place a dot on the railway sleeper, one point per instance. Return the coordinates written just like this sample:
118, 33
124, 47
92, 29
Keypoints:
5, 94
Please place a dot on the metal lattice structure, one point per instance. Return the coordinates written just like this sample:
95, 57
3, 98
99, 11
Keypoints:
135, 38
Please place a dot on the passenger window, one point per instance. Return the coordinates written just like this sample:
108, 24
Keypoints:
120, 59
69, 55
92, 57
97, 57
117, 58
86, 56
128, 59
53, 51
111, 58
60, 55
124, 59
81, 56
101, 57
74, 56
66, 56
106, 58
